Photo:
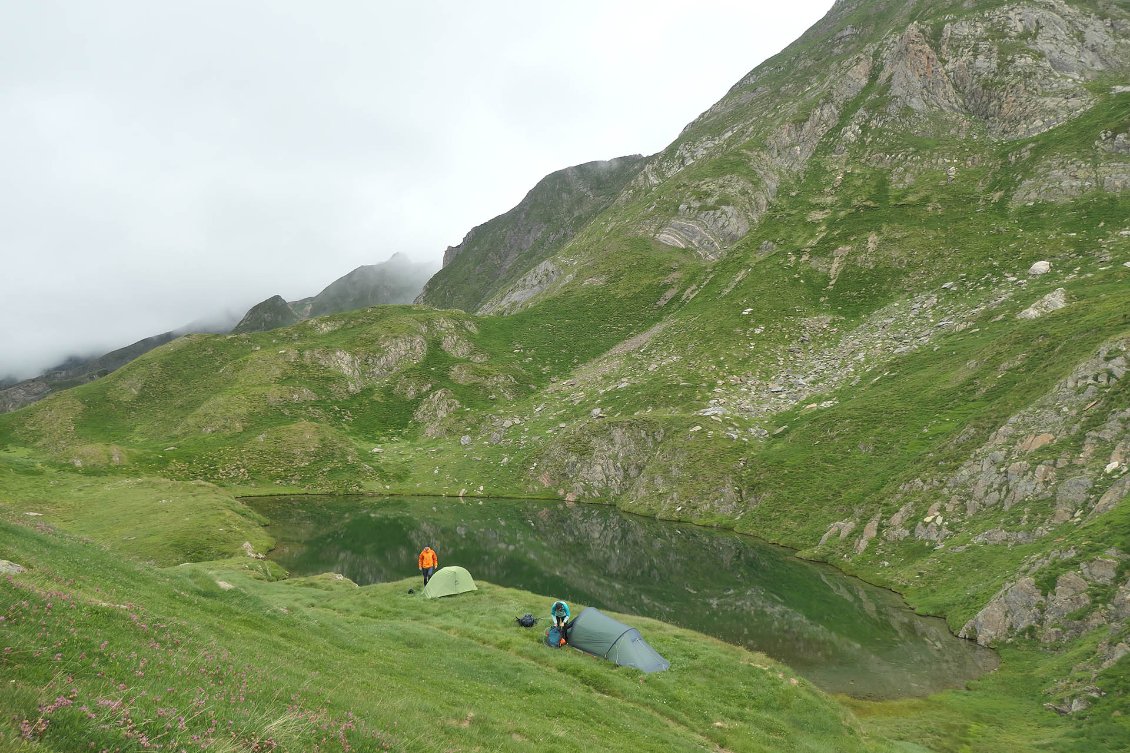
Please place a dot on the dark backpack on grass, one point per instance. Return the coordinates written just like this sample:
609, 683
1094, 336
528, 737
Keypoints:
554, 637
527, 620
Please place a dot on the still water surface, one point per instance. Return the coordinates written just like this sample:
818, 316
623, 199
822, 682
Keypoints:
843, 634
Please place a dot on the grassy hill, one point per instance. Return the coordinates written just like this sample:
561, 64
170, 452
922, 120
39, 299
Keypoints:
817, 317
221, 655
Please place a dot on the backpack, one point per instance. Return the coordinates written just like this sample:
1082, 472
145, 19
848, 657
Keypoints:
527, 620
554, 637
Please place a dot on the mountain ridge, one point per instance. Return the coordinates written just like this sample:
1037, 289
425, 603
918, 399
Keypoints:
511, 246
396, 280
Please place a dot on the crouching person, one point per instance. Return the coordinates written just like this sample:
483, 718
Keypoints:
558, 633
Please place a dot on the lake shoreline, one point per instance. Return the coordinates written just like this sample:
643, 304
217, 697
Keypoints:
748, 541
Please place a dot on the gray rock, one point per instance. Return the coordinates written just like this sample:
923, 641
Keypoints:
613, 457
841, 529
1040, 268
537, 280
11, 568
1120, 604
1069, 596
1001, 536
1012, 610
432, 411
869, 532
1053, 301
1115, 494
1059, 180
1101, 570
916, 77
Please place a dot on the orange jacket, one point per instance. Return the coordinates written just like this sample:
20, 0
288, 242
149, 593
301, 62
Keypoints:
428, 558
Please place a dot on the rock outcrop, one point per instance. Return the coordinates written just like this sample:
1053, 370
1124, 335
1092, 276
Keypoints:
1060, 613
1053, 301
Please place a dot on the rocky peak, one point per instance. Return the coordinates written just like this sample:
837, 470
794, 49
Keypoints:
499, 252
397, 280
270, 314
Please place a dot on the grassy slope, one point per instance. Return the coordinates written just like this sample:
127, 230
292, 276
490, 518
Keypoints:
97, 649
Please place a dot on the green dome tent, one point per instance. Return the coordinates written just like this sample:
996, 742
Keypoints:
448, 581
594, 632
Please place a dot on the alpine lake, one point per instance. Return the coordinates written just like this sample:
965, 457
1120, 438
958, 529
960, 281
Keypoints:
843, 634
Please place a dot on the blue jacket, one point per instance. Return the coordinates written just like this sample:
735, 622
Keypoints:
553, 610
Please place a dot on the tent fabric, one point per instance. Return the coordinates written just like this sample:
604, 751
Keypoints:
449, 581
596, 633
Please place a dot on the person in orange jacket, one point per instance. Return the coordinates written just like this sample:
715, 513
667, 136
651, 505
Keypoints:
428, 563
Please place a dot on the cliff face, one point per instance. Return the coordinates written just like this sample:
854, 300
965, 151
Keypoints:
873, 75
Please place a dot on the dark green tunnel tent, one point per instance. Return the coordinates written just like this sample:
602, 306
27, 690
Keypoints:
449, 581
594, 632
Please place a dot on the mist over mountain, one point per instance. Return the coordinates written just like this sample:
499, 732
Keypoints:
396, 280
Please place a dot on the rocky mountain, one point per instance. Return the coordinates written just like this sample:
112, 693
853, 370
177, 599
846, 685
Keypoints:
505, 253
270, 314
873, 305
397, 280
75, 371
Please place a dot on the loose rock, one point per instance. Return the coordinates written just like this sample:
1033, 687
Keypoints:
11, 568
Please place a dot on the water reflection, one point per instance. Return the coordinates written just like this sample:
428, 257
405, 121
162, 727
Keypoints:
841, 633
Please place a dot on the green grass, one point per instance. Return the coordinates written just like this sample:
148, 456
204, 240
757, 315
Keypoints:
96, 649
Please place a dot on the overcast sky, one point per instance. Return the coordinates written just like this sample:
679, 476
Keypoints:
166, 162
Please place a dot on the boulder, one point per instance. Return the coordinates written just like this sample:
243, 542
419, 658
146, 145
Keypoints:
1013, 609
11, 568
869, 532
1040, 268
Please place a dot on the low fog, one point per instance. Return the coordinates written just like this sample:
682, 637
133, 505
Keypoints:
176, 163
